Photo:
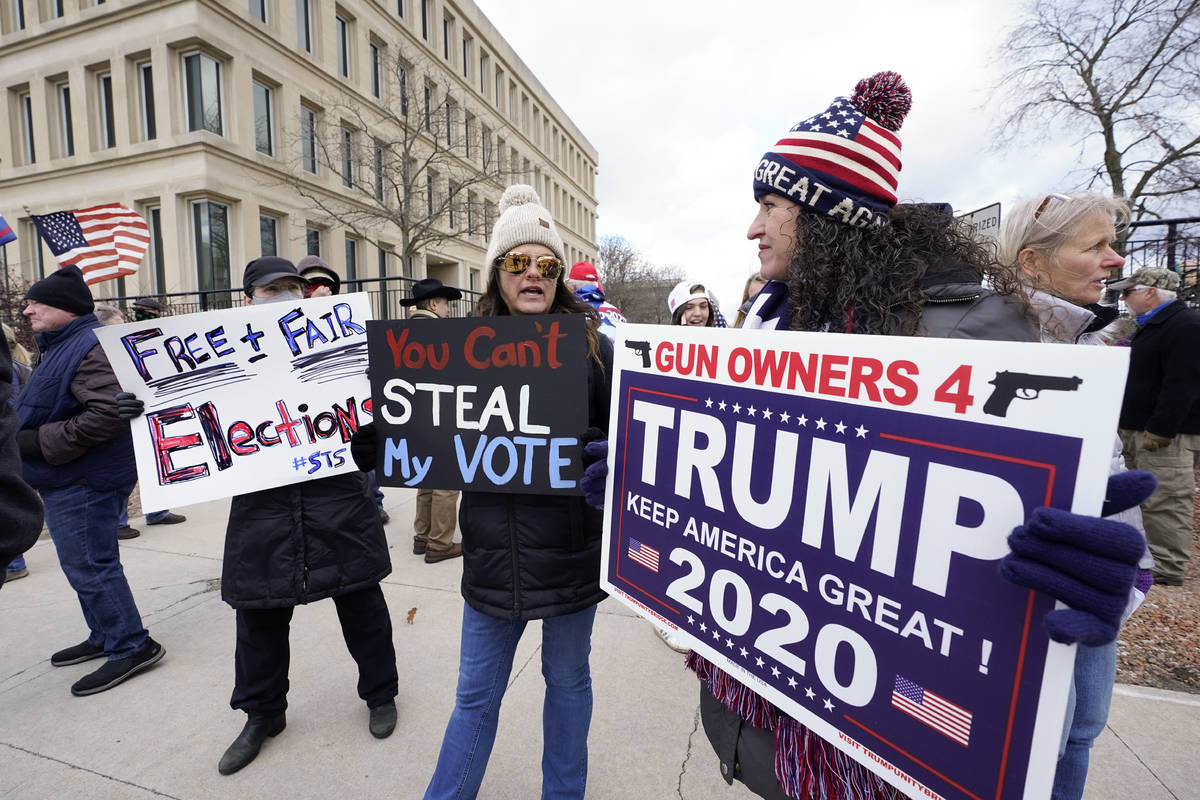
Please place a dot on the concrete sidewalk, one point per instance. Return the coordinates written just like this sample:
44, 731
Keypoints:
162, 734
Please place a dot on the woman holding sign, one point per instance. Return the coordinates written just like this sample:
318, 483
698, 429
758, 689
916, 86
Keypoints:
528, 557
841, 257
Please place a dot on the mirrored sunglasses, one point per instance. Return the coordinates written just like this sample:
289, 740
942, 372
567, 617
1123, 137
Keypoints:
516, 263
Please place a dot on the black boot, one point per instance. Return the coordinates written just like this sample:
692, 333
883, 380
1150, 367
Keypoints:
245, 747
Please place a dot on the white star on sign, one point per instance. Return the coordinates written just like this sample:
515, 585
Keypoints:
729, 644
775, 672
737, 409
809, 693
703, 627
691, 619
721, 405
861, 431
750, 410
828, 705
758, 661
784, 417
743, 652
821, 424
716, 635
791, 682
840, 427
708, 403
802, 420
766, 413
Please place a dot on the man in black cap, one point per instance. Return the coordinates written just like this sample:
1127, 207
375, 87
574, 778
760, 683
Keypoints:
437, 509
145, 308
79, 454
322, 280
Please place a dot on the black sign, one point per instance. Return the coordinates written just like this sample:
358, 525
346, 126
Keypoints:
493, 404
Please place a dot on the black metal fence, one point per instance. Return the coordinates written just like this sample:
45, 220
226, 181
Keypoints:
1178, 250
385, 296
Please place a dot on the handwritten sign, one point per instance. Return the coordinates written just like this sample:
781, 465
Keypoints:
245, 398
491, 404
821, 515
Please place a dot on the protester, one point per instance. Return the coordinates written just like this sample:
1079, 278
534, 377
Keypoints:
79, 455
437, 509
690, 304
293, 545
527, 557
21, 369
1160, 414
835, 264
20, 507
584, 281
145, 308
322, 279
753, 284
1061, 247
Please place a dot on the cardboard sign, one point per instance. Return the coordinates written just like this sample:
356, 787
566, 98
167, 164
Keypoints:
245, 398
822, 515
494, 404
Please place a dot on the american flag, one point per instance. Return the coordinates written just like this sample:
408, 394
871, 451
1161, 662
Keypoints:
644, 554
6, 233
104, 242
936, 712
844, 143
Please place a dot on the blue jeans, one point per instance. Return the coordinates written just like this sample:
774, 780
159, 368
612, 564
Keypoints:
1087, 714
485, 662
152, 517
17, 564
373, 486
83, 526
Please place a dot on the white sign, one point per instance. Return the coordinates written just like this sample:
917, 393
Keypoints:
821, 516
243, 399
984, 220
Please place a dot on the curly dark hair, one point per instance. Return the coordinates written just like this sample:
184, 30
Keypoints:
491, 304
869, 280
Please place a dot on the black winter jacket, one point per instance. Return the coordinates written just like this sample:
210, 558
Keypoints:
1162, 393
535, 556
303, 542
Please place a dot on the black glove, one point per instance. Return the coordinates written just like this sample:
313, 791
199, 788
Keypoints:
128, 406
1089, 563
364, 447
29, 444
595, 466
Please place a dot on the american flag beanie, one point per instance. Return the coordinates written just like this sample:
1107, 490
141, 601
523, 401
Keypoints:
843, 162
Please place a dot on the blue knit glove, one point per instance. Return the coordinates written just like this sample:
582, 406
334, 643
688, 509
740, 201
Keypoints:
1089, 563
595, 466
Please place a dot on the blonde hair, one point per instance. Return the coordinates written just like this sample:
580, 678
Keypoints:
19, 353
1044, 223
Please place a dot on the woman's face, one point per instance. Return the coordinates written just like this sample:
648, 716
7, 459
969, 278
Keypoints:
755, 285
695, 312
529, 292
775, 229
1077, 271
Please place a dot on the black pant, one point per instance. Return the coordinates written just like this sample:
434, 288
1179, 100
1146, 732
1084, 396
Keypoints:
261, 659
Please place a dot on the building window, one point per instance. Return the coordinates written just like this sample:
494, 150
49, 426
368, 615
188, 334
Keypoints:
430, 177
402, 86
451, 114
485, 145
268, 235
428, 108
425, 20
447, 35
499, 98
157, 258
452, 203
470, 212
376, 74
202, 86
145, 73
304, 25
382, 261
210, 222
468, 130
56, 7
483, 71
258, 10
308, 139
108, 117
264, 119
312, 241
343, 46
66, 126
20, 13
466, 61
401, 11
351, 258
347, 153
377, 166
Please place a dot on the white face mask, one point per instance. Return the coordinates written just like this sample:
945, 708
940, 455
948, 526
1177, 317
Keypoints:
281, 297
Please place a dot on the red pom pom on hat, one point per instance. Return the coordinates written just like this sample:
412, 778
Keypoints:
885, 98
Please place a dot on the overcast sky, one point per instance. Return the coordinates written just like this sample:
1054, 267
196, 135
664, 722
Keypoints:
682, 98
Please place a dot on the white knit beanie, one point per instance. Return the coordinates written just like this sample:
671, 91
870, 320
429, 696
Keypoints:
522, 220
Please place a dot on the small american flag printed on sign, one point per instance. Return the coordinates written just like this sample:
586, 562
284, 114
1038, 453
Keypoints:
644, 554
937, 712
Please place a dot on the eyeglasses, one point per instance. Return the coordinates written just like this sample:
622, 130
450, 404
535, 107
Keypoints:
516, 263
1131, 289
1046, 202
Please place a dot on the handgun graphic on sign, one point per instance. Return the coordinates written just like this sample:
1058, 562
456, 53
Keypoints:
1023, 385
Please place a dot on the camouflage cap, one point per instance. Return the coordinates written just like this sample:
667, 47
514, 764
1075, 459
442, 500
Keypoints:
1156, 277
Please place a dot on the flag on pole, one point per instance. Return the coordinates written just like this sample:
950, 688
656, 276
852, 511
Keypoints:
6, 233
105, 241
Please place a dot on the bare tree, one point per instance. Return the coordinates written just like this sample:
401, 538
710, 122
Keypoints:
639, 289
417, 164
1126, 72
